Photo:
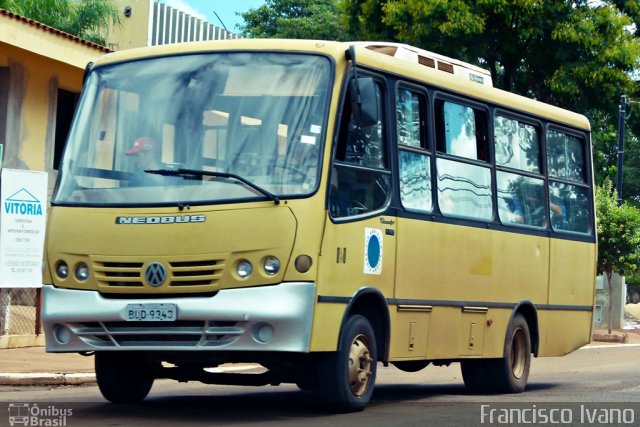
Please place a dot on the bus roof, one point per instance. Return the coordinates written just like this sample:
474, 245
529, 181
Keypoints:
365, 57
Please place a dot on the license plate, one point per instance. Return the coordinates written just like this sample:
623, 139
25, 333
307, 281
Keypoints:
150, 312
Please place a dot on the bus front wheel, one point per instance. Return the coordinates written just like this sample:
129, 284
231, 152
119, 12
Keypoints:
347, 377
123, 377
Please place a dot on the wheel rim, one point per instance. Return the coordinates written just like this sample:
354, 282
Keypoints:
359, 365
518, 353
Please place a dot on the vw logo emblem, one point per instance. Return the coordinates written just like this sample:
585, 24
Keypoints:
155, 274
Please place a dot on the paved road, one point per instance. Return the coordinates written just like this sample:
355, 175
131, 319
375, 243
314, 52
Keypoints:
592, 386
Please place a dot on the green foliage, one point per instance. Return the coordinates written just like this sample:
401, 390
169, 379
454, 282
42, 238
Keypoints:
605, 145
618, 233
576, 54
631, 8
295, 19
87, 19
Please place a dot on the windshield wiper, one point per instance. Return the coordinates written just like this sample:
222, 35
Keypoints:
196, 172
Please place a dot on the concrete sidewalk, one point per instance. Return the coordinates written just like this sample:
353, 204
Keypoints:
34, 366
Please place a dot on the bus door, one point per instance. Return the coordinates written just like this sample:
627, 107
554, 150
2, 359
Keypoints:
412, 315
358, 249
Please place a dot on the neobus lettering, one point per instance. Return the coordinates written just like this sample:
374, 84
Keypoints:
160, 219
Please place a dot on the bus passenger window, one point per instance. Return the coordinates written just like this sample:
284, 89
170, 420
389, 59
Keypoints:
569, 207
464, 189
565, 156
410, 118
413, 158
520, 199
415, 180
461, 130
569, 195
517, 145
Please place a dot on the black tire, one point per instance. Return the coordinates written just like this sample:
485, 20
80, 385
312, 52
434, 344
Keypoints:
510, 374
124, 377
347, 377
473, 374
308, 381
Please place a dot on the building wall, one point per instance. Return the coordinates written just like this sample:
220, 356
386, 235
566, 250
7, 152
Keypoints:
151, 23
133, 30
35, 62
619, 293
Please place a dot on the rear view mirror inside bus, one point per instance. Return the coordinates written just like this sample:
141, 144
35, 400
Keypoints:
364, 102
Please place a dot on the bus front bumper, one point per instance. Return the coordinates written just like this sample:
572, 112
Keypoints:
267, 318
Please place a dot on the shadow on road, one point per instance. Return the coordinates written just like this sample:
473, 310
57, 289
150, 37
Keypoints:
271, 405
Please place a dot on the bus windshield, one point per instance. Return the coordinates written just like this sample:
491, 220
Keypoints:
182, 129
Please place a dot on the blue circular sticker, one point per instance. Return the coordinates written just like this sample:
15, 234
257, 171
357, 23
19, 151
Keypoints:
373, 251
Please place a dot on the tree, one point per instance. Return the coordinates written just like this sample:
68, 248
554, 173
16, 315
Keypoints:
631, 8
87, 19
296, 19
618, 236
575, 54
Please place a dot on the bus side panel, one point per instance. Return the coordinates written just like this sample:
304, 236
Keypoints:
571, 273
326, 326
442, 261
354, 255
410, 333
561, 332
472, 268
571, 284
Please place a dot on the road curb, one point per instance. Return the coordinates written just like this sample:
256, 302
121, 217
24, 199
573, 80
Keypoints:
46, 378
50, 378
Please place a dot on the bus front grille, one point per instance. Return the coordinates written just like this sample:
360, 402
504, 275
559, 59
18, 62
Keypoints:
182, 275
181, 333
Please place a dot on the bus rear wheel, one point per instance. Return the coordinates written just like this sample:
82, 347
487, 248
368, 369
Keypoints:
123, 377
347, 377
508, 374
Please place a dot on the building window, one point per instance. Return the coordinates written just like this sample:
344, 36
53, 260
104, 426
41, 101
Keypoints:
4, 101
65, 108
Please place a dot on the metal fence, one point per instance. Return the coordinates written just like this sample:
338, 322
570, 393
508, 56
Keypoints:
19, 311
171, 25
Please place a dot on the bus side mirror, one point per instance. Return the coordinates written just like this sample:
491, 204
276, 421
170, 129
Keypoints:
364, 101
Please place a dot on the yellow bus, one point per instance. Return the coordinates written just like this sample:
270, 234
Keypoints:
319, 208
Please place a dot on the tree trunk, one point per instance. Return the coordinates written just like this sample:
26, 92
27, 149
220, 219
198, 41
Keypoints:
610, 307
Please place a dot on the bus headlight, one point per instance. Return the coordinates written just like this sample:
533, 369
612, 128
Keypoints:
271, 265
62, 270
244, 269
82, 272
